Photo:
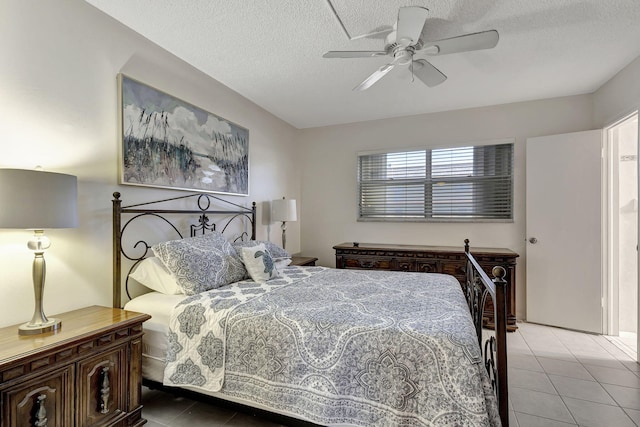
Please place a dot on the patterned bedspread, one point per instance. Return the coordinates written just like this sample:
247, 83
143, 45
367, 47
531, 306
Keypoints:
366, 348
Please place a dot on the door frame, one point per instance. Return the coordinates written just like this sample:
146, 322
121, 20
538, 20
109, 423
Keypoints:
610, 312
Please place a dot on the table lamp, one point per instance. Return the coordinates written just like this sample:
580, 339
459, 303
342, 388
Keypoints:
283, 210
36, 200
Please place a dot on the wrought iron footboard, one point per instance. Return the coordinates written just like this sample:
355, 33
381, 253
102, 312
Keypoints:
477, 288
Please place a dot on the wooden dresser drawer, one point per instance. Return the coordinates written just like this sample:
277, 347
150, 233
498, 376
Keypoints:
428, 266
432, 259
366, 263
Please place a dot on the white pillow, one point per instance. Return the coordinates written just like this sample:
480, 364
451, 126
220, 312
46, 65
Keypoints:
152, 273
259, 263
281, 263
274, 250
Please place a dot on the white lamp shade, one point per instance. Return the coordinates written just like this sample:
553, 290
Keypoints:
37, 200
283, 210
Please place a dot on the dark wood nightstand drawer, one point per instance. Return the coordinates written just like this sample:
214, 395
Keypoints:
86, 373
47, 396
303, 261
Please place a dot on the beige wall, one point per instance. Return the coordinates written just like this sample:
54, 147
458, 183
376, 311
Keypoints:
328, 165
619, 96
59, 110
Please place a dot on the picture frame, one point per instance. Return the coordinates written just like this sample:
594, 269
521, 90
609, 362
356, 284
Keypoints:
166, 142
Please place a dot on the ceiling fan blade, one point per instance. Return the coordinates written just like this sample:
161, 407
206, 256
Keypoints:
373, 78
411, 20
427, 73
378, 33
353, 54
466, 43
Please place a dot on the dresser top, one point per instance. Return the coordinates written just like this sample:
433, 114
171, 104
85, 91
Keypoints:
424, 248
76, 325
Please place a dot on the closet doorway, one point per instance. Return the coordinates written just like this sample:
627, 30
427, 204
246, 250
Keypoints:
622, 138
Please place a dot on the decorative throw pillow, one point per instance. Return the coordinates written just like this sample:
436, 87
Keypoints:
201, 263
274, 250
281, 263
155, 276
259, 263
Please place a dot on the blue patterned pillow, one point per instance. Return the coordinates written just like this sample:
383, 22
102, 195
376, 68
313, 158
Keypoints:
274, 250
201, 263
259, 263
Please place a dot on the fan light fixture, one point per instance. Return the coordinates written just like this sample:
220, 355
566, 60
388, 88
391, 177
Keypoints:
405, 46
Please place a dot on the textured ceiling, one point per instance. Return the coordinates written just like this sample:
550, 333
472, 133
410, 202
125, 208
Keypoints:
270, 51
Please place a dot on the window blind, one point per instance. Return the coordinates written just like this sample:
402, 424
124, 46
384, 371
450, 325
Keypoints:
464, 183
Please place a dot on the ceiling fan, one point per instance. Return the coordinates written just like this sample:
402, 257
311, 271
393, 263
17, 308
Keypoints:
404, 44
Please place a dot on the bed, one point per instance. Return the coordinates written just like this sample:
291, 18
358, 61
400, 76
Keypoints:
319, 345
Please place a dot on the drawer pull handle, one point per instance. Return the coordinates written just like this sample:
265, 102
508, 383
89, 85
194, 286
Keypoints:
365, 264
41, 412
105, 391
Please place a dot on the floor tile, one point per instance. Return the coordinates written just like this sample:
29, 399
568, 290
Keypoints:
600, 359
627, 397
162, 407
564, 368
205, 415
540, 404
527, 362
622, 377
551, 353
513, 421
634, 415
631, 365
626, 342
530, 380
527, 420
590, 414
581, 389
246, 420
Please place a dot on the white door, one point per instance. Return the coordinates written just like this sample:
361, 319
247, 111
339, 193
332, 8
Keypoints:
564, 226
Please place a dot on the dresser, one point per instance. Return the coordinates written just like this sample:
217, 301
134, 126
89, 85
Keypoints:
432, 259
86, 373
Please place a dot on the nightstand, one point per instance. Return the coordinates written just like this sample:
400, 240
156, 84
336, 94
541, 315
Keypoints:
303, 260
88, 372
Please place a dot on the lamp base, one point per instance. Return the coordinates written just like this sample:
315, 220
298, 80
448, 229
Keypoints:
40, 328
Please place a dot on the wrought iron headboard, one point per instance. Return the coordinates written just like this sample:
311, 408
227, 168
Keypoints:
154, 209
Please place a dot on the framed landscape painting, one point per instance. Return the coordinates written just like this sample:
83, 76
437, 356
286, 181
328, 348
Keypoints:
169, 143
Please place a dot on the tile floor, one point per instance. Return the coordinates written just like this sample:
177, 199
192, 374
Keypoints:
556, 378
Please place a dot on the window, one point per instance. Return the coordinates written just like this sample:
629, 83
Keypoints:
461, 184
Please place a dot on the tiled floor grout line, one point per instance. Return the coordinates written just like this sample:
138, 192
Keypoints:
559, 339
549, 379
575, 423
170, 423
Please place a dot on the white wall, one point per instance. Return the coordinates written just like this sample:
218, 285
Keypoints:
59, 110
619, 96
328, 168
